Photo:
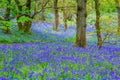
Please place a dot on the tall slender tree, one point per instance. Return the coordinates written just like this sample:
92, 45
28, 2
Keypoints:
7, 17
43, 11
81, 24
64, 15
118, 9
19, 6
28, 23
56, 15
37, 2
97, 24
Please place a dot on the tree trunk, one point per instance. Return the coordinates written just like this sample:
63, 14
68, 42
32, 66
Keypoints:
36, 8
27, 26
56, 15
7, 17
97, 24
119, 20
118, 9
64, 16
20, 26
43, 11
81, 24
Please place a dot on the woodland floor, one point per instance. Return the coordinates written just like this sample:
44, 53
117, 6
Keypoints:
50, 55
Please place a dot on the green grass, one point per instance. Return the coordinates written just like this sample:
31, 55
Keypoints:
20, 37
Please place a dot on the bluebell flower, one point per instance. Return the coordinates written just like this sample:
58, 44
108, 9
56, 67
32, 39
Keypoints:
1, 78
117, 78
66, 69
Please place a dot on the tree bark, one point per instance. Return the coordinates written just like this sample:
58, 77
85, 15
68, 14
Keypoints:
43, 11
118, 20
7, 17
56, 15
36, 8
27, 24
64, 16
20, 26
97, 24
81, 24
118, 10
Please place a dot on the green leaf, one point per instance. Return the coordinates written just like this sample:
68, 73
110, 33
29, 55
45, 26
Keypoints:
88, 77
24, 19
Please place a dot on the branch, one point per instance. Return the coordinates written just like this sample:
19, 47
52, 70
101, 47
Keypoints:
40, 10
18, 5
1, 18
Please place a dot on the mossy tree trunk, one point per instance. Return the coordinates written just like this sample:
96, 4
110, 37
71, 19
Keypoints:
20, 26
119, 19
118, 9
7, 17
56, 23
97, 24
24, 26
43, 11
27, 24
36, 8
81, 24
64, 15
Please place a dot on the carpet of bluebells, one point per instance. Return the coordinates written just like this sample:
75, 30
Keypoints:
58, 59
